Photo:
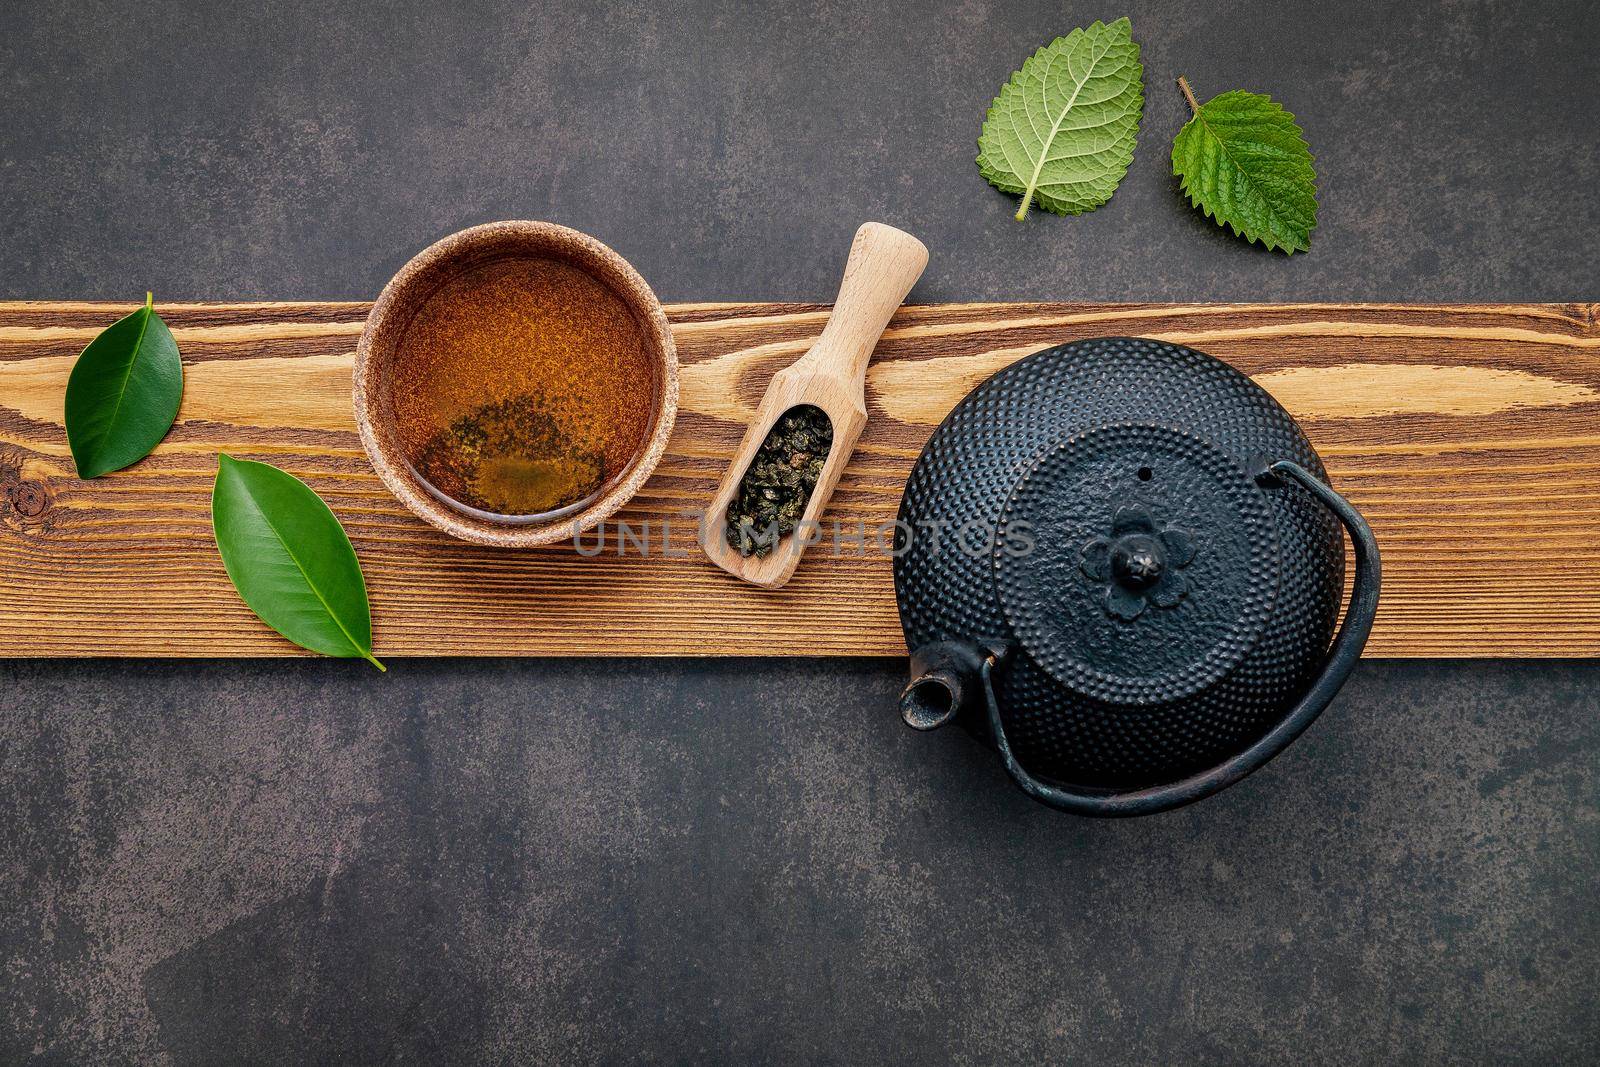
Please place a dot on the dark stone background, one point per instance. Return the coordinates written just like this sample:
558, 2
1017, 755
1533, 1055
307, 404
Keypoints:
297, 861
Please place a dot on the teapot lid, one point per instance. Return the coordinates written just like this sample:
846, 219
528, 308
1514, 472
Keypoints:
1137, 563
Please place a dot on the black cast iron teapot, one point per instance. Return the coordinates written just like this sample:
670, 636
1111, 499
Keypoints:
1119, 562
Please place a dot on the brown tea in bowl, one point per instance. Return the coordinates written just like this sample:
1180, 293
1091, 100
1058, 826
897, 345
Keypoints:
522, 389
516, 383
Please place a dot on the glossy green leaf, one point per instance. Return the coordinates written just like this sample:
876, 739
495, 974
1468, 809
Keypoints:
1243, 161
290, 560
123, 394
1061, 132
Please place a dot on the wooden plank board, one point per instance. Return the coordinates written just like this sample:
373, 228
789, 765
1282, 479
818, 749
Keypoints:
1469, 435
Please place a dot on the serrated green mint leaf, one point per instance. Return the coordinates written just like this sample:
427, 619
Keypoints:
1243, 161
1061, 132
123, 393
290, 560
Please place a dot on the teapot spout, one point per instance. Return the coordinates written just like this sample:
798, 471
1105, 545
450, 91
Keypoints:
946, 682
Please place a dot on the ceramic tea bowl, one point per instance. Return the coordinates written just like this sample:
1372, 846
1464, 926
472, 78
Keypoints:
453, 261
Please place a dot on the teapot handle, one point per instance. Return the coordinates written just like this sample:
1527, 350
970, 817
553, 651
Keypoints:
1342, 657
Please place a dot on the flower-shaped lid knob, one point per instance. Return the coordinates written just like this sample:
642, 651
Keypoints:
1141, 562
1137, 564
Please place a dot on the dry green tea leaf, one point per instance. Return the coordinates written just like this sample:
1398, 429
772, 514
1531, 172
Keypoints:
777, 485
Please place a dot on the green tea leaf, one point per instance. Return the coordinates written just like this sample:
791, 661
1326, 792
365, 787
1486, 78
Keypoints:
1244, 162
1061, 132
290, 560
123, 394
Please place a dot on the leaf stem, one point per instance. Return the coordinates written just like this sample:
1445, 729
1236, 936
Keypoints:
1188, 94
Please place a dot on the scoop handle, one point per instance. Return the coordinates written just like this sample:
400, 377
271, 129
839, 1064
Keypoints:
884, 264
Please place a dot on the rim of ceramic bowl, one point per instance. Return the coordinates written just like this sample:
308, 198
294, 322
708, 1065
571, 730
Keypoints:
411, 288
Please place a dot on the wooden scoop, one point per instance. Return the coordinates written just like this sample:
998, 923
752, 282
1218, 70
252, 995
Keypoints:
884, 264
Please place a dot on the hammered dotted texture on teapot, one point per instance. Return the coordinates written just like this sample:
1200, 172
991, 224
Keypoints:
1098, 701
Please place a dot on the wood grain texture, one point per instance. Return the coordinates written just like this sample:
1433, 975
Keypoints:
1469, 435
